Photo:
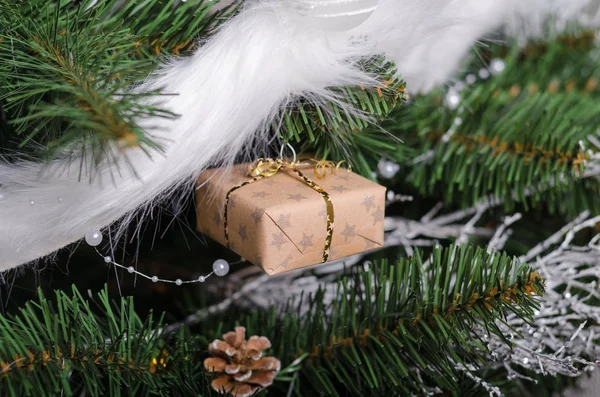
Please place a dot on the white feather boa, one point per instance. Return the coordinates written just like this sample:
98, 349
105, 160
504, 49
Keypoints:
227, 93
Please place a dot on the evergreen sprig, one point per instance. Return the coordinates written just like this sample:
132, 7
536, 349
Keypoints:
339, 131
403, 327
67, 68
515, 136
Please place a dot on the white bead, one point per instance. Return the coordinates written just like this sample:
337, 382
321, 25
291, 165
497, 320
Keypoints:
459, 86
388, 169
497, 66
107, 259
201, 279
178, 281
154, 279
391, 195
93, 238
471, 79
484, 73
457, 121
32, 202
221, 267
334, 15
525, 360
452, 99
130, 269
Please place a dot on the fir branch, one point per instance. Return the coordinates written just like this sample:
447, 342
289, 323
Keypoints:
508, 138
67, 348
331, 132
392, 322
65, 83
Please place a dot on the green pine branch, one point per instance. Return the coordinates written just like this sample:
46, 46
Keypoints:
403, 327
331, 131
515, 136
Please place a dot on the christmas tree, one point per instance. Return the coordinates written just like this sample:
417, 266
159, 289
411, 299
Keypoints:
122, 121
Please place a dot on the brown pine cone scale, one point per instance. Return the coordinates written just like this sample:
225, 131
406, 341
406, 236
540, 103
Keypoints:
242, 370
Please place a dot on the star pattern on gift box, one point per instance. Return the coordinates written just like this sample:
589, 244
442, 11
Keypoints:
257, 214
284, 221
368, 202
233, 180
298, 197
349, 232
378, 215
279, 240
217, 219
344, 176
260, 195
323, 212
285, 263
339, 188
243, 233
333, 254
306, 241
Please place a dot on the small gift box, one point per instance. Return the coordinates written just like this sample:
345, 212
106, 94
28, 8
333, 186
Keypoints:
282, 216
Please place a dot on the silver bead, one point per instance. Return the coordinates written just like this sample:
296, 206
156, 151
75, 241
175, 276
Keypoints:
452, 99
154, 279
93, 238
201, 279
32, 202
388, 169
484, 73
221, 267
459, 86
471, 79
391, 195
107, 259
178, 281
497, 66
130, 269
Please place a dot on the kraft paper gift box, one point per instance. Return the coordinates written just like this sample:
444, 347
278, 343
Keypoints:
279, 223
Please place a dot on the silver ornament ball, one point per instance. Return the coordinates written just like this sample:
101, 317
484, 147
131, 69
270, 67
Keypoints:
154, 279
388, 169
93, 238
453, 99
178, 281
201, 279
221, 267
497, 66
334, 15
130, 269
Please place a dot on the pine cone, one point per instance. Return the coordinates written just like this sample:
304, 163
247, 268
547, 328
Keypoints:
239, 361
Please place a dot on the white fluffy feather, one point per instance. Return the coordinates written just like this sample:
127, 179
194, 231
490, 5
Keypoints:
227, 92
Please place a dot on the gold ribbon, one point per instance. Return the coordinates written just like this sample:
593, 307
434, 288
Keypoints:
266, 168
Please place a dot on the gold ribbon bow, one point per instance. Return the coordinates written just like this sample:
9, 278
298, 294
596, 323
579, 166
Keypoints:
266, 168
